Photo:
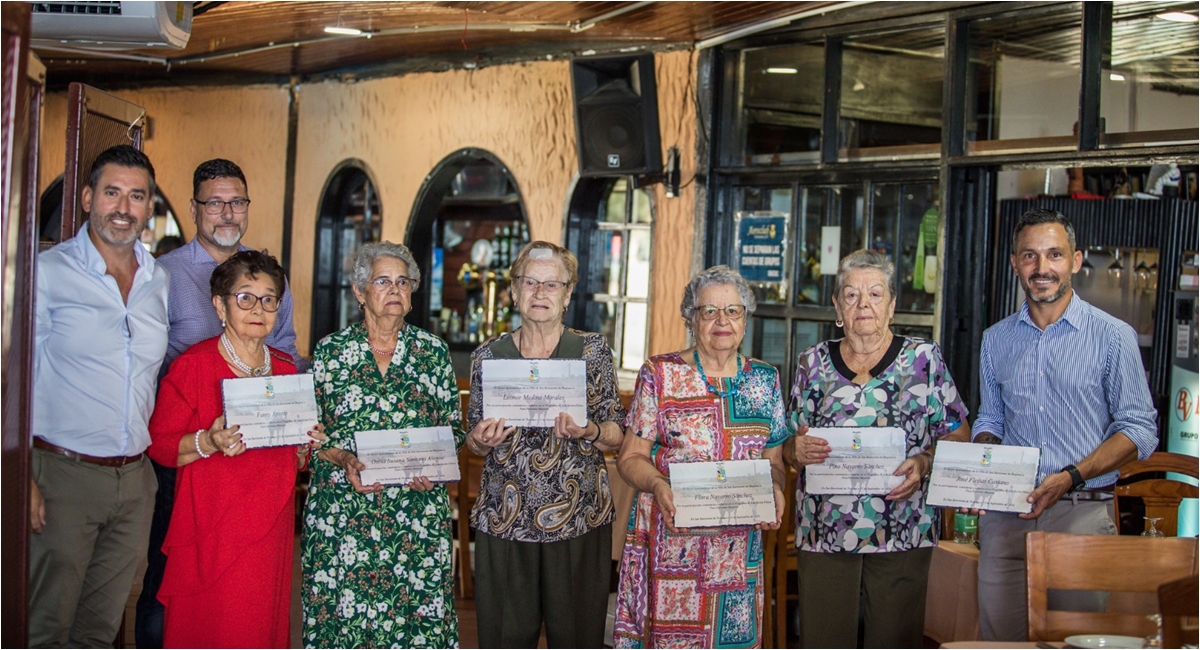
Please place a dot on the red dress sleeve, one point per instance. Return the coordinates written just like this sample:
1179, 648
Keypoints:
175, 413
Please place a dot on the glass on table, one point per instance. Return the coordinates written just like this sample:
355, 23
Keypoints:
1151, 527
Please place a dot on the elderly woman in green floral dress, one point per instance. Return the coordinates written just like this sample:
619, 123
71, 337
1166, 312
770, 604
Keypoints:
377, 569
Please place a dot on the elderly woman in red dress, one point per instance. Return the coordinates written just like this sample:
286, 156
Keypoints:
229, 545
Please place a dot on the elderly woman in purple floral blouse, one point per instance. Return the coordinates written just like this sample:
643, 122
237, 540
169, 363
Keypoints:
871, 551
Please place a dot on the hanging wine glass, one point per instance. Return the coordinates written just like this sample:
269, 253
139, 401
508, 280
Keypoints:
1152, 528
1086, 270
1141, 273
1116, 268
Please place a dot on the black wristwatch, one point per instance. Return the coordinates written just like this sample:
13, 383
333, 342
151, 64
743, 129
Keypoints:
1077, 482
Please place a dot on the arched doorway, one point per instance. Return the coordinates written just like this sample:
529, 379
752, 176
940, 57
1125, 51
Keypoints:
350, 216
162, 233
469, 203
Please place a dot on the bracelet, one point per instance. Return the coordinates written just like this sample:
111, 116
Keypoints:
198, 450
596, 437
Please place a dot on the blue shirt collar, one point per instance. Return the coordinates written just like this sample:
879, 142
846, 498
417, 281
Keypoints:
94, 261
1074, 315
200, 255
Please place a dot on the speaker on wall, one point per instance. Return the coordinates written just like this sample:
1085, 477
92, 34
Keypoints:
616, 115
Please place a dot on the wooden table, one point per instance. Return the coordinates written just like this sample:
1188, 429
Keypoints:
952, 601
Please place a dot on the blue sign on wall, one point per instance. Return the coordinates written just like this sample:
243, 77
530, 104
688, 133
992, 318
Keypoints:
761, 245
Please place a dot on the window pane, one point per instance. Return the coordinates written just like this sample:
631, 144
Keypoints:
1024, 74
892, 89
642, 212
916, 264
811, 287
614, 205
607, 251
634, 340
766, 339
637, 283
781, 101
1153, 79
604, 314
774, 199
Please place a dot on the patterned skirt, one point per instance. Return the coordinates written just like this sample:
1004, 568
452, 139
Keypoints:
700, 590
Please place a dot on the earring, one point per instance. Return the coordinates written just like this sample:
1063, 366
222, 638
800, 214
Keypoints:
362, 306
838, 322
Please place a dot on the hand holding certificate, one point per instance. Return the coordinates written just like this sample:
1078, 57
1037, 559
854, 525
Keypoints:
532, 392
727, 493
987, 477
399, 456
271, 411
862, 460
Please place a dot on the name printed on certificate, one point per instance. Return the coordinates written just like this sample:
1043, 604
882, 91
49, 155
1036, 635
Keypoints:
397, 456
532, 392
271, 411
989, 477
727, 493
861, 461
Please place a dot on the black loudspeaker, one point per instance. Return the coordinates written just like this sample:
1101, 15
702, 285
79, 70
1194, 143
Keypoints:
616, 116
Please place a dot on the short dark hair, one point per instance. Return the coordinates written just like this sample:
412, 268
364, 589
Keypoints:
216, 168
245, 263
1038, 216
123, 155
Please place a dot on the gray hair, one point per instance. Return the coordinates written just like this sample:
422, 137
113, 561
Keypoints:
371, 253
714, 276
865, 259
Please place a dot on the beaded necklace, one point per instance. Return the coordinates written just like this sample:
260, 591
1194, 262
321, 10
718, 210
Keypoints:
236, 362
709, 384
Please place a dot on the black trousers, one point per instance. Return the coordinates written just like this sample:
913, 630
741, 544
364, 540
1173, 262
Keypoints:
520, 585
148, 624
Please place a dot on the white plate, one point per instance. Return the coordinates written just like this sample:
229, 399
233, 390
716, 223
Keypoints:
1103, 641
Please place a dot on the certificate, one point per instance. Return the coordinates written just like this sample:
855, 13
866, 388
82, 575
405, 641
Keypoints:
271, 411
395, 456
861, 461
532, 392
991, 477
729, 493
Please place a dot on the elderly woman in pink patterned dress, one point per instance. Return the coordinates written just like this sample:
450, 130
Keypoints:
698, 588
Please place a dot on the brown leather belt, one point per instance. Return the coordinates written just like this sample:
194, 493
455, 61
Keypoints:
107, 461
1104, 493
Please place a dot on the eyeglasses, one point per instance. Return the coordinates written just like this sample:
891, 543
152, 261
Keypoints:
217, 206
710, 312
850, 296
247, 301
529, 284
383, 285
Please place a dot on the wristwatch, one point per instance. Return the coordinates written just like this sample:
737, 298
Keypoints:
1077, 482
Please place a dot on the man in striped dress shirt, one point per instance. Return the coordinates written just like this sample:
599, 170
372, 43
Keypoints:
220, 206
1066, 377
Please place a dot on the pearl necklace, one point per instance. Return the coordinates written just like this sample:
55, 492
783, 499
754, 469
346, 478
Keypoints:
709, 385
236, 362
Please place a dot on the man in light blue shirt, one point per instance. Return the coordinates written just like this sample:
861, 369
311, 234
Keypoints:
220, 207
101, 333
1068, 378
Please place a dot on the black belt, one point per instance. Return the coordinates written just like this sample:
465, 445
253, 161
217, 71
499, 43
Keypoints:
1103, 493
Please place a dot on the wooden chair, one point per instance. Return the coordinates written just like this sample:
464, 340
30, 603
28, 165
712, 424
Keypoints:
1161, 495
1099, 563
464, 493
1177, 602
783, 560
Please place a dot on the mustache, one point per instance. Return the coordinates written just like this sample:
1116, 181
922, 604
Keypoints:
1053, 277
119, 215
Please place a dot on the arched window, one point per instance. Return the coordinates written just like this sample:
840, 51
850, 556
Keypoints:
609, 228
350, 216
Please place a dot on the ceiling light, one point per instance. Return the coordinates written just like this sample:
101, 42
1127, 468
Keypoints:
1178, 17
343, 31
781, 71
1113, 76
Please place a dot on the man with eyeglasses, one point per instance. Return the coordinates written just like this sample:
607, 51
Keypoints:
220, 206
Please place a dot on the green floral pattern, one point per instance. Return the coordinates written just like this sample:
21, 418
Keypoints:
377, 567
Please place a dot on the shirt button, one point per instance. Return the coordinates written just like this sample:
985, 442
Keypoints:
1041, 408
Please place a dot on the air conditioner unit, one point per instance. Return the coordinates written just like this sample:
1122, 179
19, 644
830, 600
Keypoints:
115, 25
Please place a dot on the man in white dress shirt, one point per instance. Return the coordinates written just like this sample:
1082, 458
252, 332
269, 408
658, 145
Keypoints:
101, 334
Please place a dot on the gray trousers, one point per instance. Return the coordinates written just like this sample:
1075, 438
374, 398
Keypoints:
887, 589
82, 564
520, 585
1003, 604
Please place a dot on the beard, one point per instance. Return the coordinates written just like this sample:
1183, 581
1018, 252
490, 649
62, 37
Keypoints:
227, 241
1063, 287
101, 224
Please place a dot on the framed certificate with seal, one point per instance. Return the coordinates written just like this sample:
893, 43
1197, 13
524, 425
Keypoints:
397, 456
271, 411
532, 392
989, 477
725, 493
862, 461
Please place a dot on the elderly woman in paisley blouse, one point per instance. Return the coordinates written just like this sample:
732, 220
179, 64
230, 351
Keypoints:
544, 513
377, 569
870, 549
